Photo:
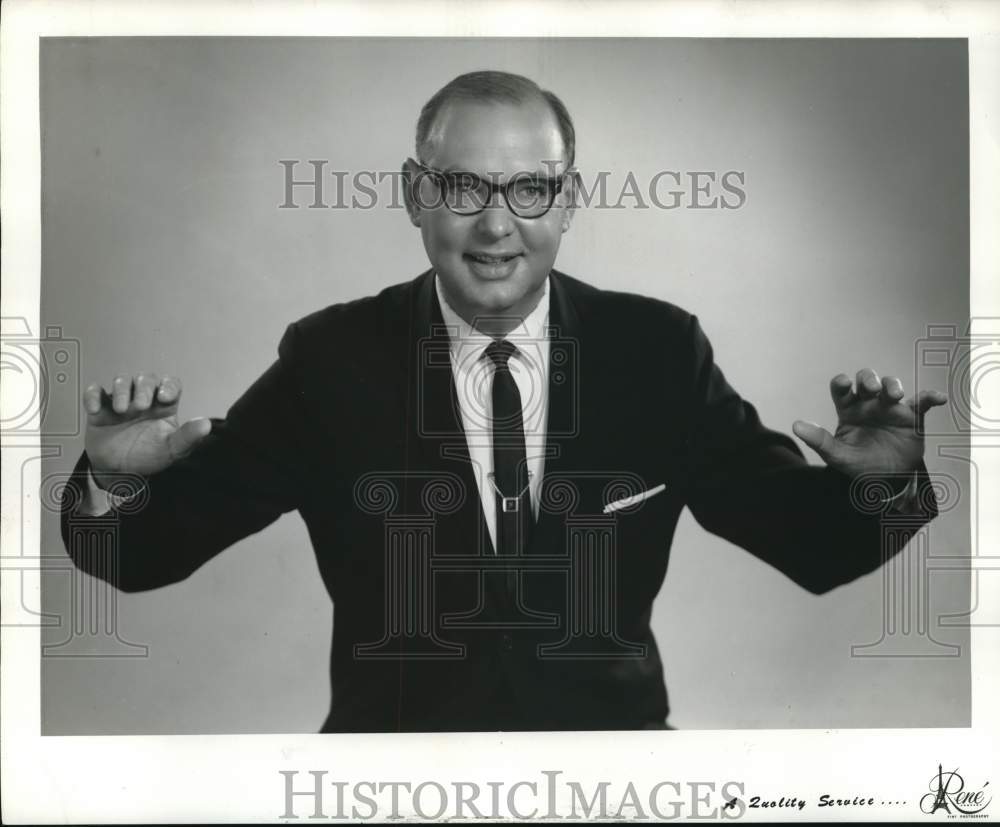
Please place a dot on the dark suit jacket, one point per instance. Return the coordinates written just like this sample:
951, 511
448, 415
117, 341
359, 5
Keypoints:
356, 426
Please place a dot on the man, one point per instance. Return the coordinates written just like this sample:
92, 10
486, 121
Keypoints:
491, 459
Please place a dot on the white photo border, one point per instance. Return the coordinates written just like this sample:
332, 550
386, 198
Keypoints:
237, 778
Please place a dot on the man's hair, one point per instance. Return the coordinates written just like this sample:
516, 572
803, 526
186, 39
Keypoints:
493, 87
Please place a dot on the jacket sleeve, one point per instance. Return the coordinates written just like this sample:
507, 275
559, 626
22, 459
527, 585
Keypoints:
753, 487
249, 470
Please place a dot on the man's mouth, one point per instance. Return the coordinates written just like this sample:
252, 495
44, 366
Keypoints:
484, 258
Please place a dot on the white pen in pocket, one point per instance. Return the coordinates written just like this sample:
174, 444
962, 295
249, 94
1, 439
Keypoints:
635, 499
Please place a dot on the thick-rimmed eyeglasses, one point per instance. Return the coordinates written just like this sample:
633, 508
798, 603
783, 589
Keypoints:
527, 195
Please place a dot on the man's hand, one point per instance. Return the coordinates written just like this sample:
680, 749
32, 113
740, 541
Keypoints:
134, 429
876, 428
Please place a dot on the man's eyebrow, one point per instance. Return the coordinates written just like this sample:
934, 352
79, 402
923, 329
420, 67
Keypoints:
493, 176
457, 171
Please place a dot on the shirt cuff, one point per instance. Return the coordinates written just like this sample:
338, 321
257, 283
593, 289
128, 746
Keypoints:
904, 501
98, 502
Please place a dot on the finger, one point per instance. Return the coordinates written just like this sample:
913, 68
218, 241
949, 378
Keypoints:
868, 384
928, 399
816, 437
182, 441
145, 387
169, 391
105, 413
841, 391
892, 389
92, 396
121, 394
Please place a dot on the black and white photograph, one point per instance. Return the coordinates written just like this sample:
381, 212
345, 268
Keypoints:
549, 390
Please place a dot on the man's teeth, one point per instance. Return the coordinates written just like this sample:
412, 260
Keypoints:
491, 259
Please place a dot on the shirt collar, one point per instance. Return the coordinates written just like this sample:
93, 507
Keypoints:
471, 342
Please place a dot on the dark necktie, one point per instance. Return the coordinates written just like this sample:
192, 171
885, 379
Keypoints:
510, 466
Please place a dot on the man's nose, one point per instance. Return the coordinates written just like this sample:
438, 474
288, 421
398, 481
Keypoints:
496, 221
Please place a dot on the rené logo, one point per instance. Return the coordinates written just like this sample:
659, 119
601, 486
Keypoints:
948, 793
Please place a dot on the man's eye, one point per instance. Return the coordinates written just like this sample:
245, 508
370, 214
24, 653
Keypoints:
462, 183
531, 189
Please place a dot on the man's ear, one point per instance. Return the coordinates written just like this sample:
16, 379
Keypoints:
410, 171
570, 193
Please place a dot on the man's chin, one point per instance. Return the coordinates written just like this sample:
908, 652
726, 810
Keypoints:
486, 308
506, 296
514, 295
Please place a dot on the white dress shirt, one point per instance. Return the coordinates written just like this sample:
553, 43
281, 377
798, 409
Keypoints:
473, 373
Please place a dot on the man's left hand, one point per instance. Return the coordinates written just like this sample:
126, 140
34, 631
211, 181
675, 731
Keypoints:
877, 429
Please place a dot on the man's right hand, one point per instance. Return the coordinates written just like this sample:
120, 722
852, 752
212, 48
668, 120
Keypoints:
134, 429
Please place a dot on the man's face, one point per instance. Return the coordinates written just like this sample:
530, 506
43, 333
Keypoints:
494, 263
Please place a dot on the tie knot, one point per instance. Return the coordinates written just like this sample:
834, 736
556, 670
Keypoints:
500, 352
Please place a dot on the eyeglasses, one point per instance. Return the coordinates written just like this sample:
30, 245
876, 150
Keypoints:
527, 195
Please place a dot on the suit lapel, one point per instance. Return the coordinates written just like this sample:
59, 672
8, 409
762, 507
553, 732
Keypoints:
437, 443
567, 442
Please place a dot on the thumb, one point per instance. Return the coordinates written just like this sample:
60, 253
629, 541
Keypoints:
926, 400
182, 441
816, 437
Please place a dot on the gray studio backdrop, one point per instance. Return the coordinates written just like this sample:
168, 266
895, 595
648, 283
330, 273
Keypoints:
163, 248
